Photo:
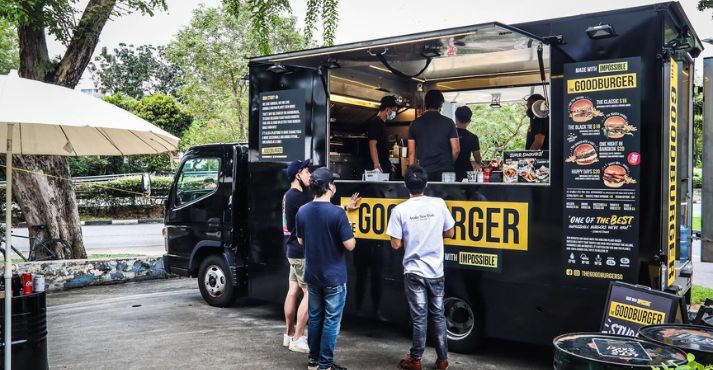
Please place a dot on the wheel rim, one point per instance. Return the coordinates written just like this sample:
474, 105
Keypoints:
460, 320
214, 281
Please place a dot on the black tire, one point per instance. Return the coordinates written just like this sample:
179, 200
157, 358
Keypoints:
214, 281
464, 325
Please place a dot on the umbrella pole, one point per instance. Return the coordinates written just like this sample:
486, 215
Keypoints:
8, 243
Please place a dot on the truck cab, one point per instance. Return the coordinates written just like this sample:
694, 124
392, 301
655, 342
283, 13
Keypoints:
204, 231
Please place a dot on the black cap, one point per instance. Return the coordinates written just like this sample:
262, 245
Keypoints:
296, 166
323, 176
388, 101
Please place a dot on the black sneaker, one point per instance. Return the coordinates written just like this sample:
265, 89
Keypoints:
312, 364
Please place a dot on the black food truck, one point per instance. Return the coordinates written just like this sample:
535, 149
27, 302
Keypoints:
538, 241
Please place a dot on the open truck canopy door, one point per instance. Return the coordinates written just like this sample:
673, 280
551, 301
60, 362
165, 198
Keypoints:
472, 57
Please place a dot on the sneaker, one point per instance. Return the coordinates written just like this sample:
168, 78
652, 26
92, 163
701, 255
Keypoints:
312, 364
336, 367
286, 340
299, 345
410, 363
441, 364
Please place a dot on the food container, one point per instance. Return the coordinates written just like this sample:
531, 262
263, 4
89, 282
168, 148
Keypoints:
697, 340
38, 284
448, 177
595, 351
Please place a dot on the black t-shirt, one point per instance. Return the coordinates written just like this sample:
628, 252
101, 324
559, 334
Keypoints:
377, 131
324, 227
432, 133
538, 126
291, 203
468, 144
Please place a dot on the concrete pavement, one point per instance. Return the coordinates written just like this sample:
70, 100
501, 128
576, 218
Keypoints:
166, 325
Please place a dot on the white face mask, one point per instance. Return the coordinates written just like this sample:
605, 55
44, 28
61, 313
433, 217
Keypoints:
391, 116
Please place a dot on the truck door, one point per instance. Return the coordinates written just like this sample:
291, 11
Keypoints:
678, 172
196, 205
288, 121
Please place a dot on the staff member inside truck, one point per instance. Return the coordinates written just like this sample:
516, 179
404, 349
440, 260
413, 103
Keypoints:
539, 130
297, 196
326, 234
378, 139
433, 139
469, 144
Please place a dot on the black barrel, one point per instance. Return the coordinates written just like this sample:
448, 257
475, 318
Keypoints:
29, 332
594, 351
697, 340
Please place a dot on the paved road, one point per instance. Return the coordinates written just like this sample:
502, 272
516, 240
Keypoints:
142, 239
166, 325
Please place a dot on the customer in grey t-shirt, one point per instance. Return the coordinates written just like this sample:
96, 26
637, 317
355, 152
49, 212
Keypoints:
419, 226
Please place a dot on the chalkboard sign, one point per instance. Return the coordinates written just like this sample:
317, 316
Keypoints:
607, 347
631, 307
282, 125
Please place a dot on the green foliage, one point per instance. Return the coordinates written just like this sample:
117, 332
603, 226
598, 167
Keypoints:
697, 128
135, 71
700, 293
264, 18
9, 49
213, 52
60, 17
165, 112
499, 129
698, 178
97, 166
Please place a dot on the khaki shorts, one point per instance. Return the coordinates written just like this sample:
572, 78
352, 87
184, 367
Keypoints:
297, 271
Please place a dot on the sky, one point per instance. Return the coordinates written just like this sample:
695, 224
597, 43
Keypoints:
369, 19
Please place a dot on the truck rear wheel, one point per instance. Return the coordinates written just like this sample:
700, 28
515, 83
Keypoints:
214, 281
463, 325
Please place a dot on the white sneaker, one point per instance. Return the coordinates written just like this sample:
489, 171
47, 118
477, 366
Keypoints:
286, 339
299, 345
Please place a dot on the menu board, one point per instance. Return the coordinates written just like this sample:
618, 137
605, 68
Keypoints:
282, 125
601, 178
526, 166
630, 308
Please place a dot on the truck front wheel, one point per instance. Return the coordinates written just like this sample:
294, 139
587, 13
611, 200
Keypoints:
463, 326
214, 281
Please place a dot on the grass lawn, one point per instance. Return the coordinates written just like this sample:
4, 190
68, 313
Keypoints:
696, 222
699, 294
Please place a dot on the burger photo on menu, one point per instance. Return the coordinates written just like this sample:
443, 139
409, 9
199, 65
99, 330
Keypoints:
583, 154
616, 176
583, 110
616, 126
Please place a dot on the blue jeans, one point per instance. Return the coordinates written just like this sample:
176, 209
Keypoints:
326, 305
425, 298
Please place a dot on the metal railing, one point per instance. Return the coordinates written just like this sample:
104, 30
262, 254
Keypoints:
105, 178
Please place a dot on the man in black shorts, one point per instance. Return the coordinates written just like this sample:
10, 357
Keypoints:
433, 139
469, 144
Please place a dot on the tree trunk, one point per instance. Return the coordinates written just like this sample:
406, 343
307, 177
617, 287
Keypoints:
50, 200
56, 208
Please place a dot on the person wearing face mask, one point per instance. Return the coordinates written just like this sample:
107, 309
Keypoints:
324, 231
378, 139
295, 316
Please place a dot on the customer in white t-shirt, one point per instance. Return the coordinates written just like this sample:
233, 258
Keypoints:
419, 226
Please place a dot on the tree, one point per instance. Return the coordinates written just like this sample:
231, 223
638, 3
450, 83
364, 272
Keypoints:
135, 71
264, 18
213, 52
57, 207
9, 53
499, 129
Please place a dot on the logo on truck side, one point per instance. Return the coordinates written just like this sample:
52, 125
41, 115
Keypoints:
496, 225
672, 174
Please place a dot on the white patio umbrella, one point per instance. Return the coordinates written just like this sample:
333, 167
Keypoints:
39, 118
